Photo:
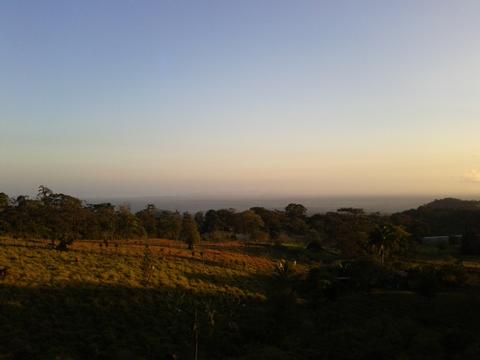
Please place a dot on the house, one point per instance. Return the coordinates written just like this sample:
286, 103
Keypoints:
436, 240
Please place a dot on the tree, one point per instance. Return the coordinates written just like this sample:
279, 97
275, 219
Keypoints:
273, 220
62, 216
296, 210
103, 222
199, 218
26, 219
212, 222
189, 232
227, 218
68, 215
248, 223
4, 205
148, 220
44, 194
296, 215
387, 239
128, 225
169, 224
4, 201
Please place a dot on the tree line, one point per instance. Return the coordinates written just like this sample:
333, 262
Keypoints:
64, 219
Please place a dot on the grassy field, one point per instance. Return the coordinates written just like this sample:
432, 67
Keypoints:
132, 301
130, 297
210, 269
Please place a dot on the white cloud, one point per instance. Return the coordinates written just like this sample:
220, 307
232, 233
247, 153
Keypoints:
472, 175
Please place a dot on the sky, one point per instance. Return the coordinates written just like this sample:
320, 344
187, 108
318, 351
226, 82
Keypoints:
240, 98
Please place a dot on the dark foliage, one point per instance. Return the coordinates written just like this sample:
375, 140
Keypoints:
366, 304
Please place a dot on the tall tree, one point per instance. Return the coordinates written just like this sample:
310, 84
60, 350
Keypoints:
4, 201
199, 218
148, 219
212, 222
296, 216
248, 223
387, 239
103, 221
273, 221
128, 225
296, 210
4, 207
63, 215
189, 232
169, 224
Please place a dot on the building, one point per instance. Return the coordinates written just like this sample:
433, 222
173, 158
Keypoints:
436, 240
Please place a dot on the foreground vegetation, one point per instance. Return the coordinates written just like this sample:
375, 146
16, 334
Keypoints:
231, 300
94, 281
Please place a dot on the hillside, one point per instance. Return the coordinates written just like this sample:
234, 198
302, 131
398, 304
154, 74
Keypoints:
447, 216
451, 204
81, 303
229, 301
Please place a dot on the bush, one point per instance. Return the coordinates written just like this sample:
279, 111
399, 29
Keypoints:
430, 279
453, 275
366, 274
315, 246
321, 283
425, 281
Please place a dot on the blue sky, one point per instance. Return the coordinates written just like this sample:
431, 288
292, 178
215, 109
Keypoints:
240, 97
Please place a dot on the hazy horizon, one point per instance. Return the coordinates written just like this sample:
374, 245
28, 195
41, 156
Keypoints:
384, 203
314, 204
123, 98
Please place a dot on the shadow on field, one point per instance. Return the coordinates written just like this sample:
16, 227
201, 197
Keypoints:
105, 322
93, 322
238, 280
280, 252
219, 262
266, 250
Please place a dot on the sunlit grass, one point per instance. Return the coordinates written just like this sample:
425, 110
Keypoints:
213, 269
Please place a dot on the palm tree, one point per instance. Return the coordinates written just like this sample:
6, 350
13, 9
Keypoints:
386, 238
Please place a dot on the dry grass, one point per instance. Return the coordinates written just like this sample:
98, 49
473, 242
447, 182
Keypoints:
93, 302
224, 268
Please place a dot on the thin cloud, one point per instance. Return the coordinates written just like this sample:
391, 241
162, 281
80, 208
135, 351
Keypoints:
472, 176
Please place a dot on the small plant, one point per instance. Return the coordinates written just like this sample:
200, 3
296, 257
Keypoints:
453, 275
284, 270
